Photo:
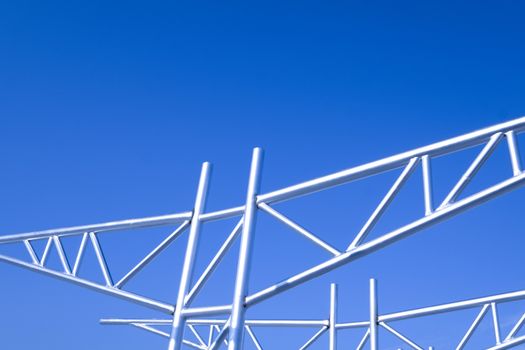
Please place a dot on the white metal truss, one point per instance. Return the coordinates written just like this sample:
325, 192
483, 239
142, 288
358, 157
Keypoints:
234, 325
369, 328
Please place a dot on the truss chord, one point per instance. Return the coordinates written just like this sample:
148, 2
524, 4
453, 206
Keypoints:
298, 228
80, 253
214, 263
206, 311
189, 258
400, 336
383, 205
154, 253
162, 220
473, 327
473, 169
509, 344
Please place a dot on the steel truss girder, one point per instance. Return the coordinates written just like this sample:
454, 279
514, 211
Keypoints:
487, 304
235, 326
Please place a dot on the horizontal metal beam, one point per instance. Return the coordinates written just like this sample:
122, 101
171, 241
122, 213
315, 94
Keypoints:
458, 305
509, 344
162, 220
200, 322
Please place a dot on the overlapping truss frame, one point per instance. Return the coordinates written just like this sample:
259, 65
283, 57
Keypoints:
369, 328
234, 326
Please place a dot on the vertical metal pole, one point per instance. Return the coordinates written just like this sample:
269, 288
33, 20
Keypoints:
427, 184
514, 153
333, 316
243, 266
373, 315
189, 259
495, 322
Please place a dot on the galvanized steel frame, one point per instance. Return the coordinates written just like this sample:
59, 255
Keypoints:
231, 329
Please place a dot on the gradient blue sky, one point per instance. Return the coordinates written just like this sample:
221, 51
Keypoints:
108, 108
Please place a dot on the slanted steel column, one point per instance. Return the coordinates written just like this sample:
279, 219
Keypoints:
373, 315
177, 331
243, 265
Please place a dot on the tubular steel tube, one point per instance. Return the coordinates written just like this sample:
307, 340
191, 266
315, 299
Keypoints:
206, 311
31, 251
222, 214
374, 341
200, 321
298, 228
45, 254
101, 259
189, 259
516, 328
509, 344
256, 341
243, 265
458, 305
427, 184
514, 153
363, 340
333, 317
360, 324
80, 253
62, 255
313, 338
495, 322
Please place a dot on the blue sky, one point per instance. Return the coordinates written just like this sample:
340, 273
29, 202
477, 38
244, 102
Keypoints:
108, 109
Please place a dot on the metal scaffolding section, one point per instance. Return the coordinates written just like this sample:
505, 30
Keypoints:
232, 326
